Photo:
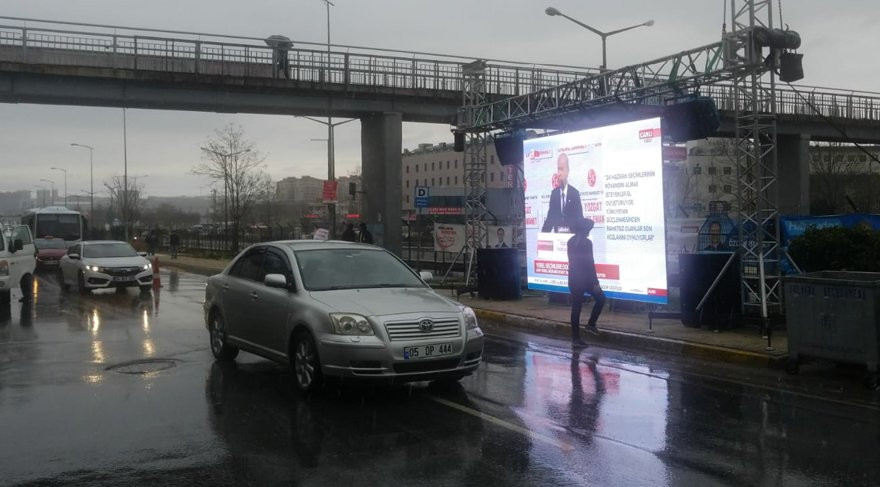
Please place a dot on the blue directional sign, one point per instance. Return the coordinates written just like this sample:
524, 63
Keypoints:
422, 198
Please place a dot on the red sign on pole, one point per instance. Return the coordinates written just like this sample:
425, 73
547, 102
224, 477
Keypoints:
330, 191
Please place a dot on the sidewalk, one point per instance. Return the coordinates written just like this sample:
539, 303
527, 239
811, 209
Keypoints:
621, 329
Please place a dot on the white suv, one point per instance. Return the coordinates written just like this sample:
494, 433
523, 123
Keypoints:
17, 262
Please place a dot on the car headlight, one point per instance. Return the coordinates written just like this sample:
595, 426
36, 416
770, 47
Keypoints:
350, 324
470, 319
148, 266
93, 268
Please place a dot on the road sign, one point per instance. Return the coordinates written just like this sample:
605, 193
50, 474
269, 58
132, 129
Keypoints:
329, 192
422, 199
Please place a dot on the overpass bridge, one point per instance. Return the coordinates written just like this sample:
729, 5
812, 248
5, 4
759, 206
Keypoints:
47, 62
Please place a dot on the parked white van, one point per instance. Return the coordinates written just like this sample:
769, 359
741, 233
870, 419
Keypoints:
17, 262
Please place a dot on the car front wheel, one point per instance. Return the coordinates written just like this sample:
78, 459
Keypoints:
305, 364
81, 284
221, 350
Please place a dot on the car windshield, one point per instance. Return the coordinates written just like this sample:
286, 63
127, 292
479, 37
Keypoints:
327, 269
108, 250
50, 243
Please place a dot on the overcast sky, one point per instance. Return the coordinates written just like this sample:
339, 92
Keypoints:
840, 40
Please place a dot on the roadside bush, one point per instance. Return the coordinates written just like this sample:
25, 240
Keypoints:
836, 249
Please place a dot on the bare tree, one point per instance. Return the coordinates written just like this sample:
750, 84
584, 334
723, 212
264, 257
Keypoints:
127, 204
236, 168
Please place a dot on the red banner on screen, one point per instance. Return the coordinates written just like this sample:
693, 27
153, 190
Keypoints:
608, 271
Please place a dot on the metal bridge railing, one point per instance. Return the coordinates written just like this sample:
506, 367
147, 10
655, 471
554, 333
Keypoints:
312, 65
353, 68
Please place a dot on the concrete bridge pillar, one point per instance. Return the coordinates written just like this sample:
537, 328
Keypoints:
381, 146
793, 178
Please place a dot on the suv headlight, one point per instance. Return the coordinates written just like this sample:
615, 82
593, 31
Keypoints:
350, 324
93, 268
470, 319
148, 266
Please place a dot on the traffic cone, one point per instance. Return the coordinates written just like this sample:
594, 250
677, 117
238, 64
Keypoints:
157, 281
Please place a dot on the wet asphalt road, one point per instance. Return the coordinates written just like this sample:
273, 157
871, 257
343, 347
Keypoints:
121, 389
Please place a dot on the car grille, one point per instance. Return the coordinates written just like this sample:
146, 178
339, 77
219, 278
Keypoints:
425, 366
123, 271
412, 330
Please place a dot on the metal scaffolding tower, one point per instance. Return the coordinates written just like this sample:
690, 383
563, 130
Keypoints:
475, 165
756, 160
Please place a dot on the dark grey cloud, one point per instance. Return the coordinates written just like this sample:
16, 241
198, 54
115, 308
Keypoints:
839, 43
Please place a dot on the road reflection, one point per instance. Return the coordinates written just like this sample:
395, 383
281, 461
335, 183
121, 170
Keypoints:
379, 435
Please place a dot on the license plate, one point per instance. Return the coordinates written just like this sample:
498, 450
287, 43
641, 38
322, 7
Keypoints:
123, 279
427, 351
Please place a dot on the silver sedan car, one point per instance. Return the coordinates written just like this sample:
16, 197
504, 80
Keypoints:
339, 309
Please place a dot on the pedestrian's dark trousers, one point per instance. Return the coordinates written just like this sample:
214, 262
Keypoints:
577, 302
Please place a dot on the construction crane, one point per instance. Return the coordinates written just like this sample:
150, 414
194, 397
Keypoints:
749, 57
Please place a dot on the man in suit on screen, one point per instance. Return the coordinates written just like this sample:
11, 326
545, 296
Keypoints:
565, 200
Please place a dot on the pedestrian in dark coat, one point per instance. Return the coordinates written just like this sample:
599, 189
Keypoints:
365, 235
348, 234
582, 279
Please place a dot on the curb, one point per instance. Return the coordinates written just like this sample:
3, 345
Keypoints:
621, 339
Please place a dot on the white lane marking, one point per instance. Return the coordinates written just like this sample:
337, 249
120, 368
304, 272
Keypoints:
504, 424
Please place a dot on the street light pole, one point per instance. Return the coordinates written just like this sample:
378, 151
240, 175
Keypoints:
91, 176
65, 182
331, 161
604, 35
124, 202
53, 189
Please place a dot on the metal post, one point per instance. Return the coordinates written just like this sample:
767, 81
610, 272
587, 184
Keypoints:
125, 173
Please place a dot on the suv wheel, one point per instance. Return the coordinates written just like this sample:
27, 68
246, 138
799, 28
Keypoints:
221, 350
305, 364
60, 277
27, 288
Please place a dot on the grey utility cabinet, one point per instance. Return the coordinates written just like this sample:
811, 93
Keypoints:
834, 315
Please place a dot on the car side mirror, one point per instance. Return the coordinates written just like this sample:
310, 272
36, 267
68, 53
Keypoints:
143, 254
17, 245
275, 280
426, 276
73, 256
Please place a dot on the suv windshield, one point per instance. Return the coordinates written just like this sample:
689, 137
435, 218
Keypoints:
326, 269
108, 250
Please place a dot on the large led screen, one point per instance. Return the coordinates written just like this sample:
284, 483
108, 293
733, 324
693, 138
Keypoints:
614, 176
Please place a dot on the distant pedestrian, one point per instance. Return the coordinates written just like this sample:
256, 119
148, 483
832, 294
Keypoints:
151, 242
582, 279
174, 244
365, 236
348, 234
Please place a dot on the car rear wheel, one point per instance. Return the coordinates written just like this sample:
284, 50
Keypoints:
81, 284
221, 350
305, 364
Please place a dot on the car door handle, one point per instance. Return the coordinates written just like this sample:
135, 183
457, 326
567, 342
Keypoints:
226, 287
254, 295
